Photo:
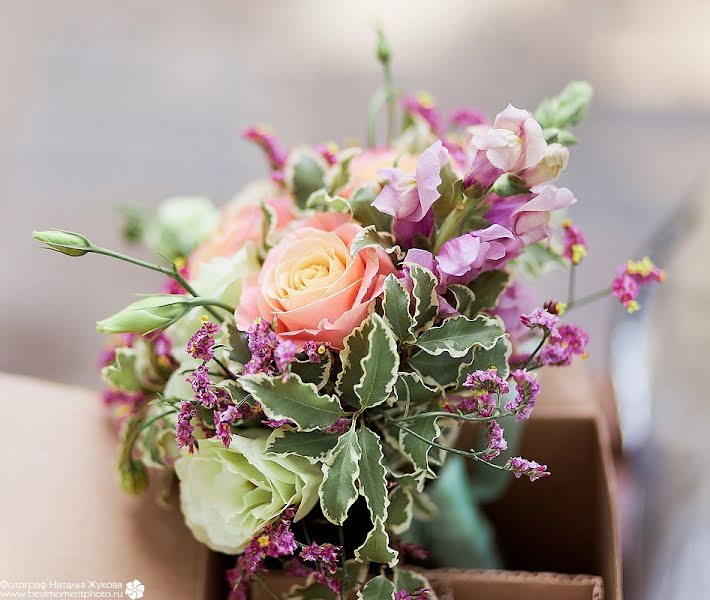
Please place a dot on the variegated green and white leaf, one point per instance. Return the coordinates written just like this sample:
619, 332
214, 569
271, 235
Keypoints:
426, 301
496, 357
376, 547
355, 347
379, 365
369, 237
291, 398
464, 299
457, 335
239, 352
316, 373
122, 374
322, 200
338, 490
304, 173
268, 225
309, 444
339, 176
401, 510
439, 371
396, 305
487, 288
373, 475
310, 590
416, 448
412, 391
378, 588
410, 582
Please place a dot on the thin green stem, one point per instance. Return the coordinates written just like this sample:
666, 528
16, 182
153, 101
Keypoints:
473, 455
589, 298
173, 273
266, 587
391, 101
226, 370
571, 285
128, 446
457, 416
537, 349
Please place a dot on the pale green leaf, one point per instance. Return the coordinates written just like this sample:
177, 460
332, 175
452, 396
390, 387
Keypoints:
568, 108
122, 374
411, 581
304, 174
338, 491
373, 475
291, 398
457, 335
396, 305
309, 444
322, 200
376, 547
339, 176
537, 259
310, 590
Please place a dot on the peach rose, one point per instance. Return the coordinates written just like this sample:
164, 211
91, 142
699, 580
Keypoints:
365, 166
240, 224
311, 287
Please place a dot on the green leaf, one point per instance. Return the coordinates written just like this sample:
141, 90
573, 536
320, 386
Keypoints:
370, 361
239, 352
322, 200
292, 399
340, 177
369, 237
561, 136
268, 225
401, 510
457, 335
366, 214
316, 373
426, 301
416, 449
509, 185
309, 444
485, 359
122, 374
410, 581
396, 308
487, 288
379, 365
451, 194
376, 548
410, 389
537, 259
437, 372
338, 490
378, 588
311, 590
304, 175
464, 299
568, 108
373, 475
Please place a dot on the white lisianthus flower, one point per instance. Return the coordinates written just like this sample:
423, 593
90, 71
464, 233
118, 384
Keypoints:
229, 495
180, 224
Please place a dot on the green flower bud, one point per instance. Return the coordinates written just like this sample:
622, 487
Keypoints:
133, 476
384, 54
148, 314
66, 242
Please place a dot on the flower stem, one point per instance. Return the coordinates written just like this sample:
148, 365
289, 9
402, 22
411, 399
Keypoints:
266, 587
589, 298
537, 349
473, 455
458, 416
571, 285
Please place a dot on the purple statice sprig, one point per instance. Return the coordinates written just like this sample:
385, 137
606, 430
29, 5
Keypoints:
487, 388
529, 468
325, 558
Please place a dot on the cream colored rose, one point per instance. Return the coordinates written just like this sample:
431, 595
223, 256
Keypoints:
228, 495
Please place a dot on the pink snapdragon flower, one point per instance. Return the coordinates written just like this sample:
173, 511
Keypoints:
528, 215
515, 300
466, 116
422, 105
553, 162
410, 197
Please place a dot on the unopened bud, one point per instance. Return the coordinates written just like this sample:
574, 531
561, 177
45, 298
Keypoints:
147, 315
133, 476
384, 54
66, 242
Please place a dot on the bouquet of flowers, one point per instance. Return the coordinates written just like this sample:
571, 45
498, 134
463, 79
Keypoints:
319, 342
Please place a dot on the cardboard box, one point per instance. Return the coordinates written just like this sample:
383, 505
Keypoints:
63, 516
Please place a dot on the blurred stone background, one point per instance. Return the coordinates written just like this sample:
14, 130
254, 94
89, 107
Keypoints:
108, 103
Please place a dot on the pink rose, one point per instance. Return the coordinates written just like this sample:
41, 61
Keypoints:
239, 225
312, 288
